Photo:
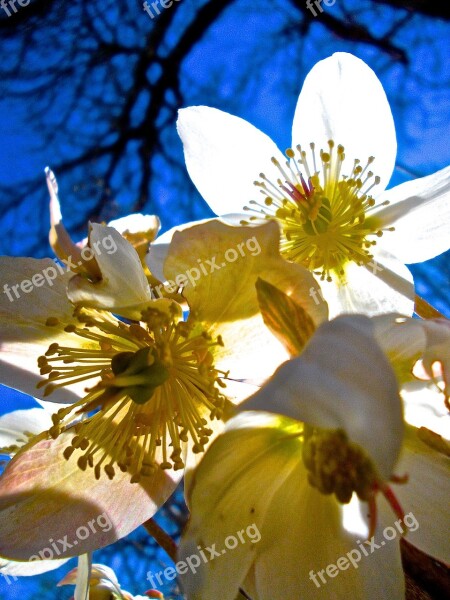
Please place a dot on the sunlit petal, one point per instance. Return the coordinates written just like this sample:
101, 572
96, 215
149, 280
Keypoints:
220, 265
343, 100
425, 496
224, 155
384, 285
420, 212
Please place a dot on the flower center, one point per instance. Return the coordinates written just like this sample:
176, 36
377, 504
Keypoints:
157, 390
337, 466
324, 216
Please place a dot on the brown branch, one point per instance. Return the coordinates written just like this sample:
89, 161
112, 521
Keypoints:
429, 8
162, 538
353, 32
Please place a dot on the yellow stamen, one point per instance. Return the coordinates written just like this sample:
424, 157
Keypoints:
156, 390
324, 215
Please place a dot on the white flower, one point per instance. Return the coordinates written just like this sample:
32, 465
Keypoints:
337, 430
334, 214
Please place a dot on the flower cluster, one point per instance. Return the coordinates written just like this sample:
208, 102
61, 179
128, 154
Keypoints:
319, 422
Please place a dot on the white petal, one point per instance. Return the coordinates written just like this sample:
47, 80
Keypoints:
303, 534
341, 380
136, 223
228, 499
13, 425
23, 333
123, 283
343, 100
424, 407
420, 213
402, 339
19, 370
424, 498
26, 569
438, 349
383, 286
224, 156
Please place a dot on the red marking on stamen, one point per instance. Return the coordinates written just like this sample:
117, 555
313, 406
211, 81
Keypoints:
307, 187
373, 513
393, 502
400, 478
293, 193
391, 499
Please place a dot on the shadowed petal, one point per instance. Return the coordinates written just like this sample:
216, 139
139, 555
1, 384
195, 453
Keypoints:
52, 498
341, 385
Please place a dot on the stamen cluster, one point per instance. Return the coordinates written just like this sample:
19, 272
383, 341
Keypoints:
324, 215
337, 466
157, 390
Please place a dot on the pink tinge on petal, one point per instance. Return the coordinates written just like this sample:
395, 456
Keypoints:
43, 497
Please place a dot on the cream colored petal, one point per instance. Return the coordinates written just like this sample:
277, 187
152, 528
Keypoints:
59, 238
383, 286
14, 424
236, 392
123, 286
98, 573
220, 265
224, 155
83, 577
14, 569
24, 335
160, 247
424, 498
343, 100
341, 380
261, 489
52, 498
136, 223
420, 212
253, 455
305, 551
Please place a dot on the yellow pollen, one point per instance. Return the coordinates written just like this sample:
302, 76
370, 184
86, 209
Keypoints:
324, 215
337, 466
156, 389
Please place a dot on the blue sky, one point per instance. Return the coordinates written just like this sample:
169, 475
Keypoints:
251, 63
